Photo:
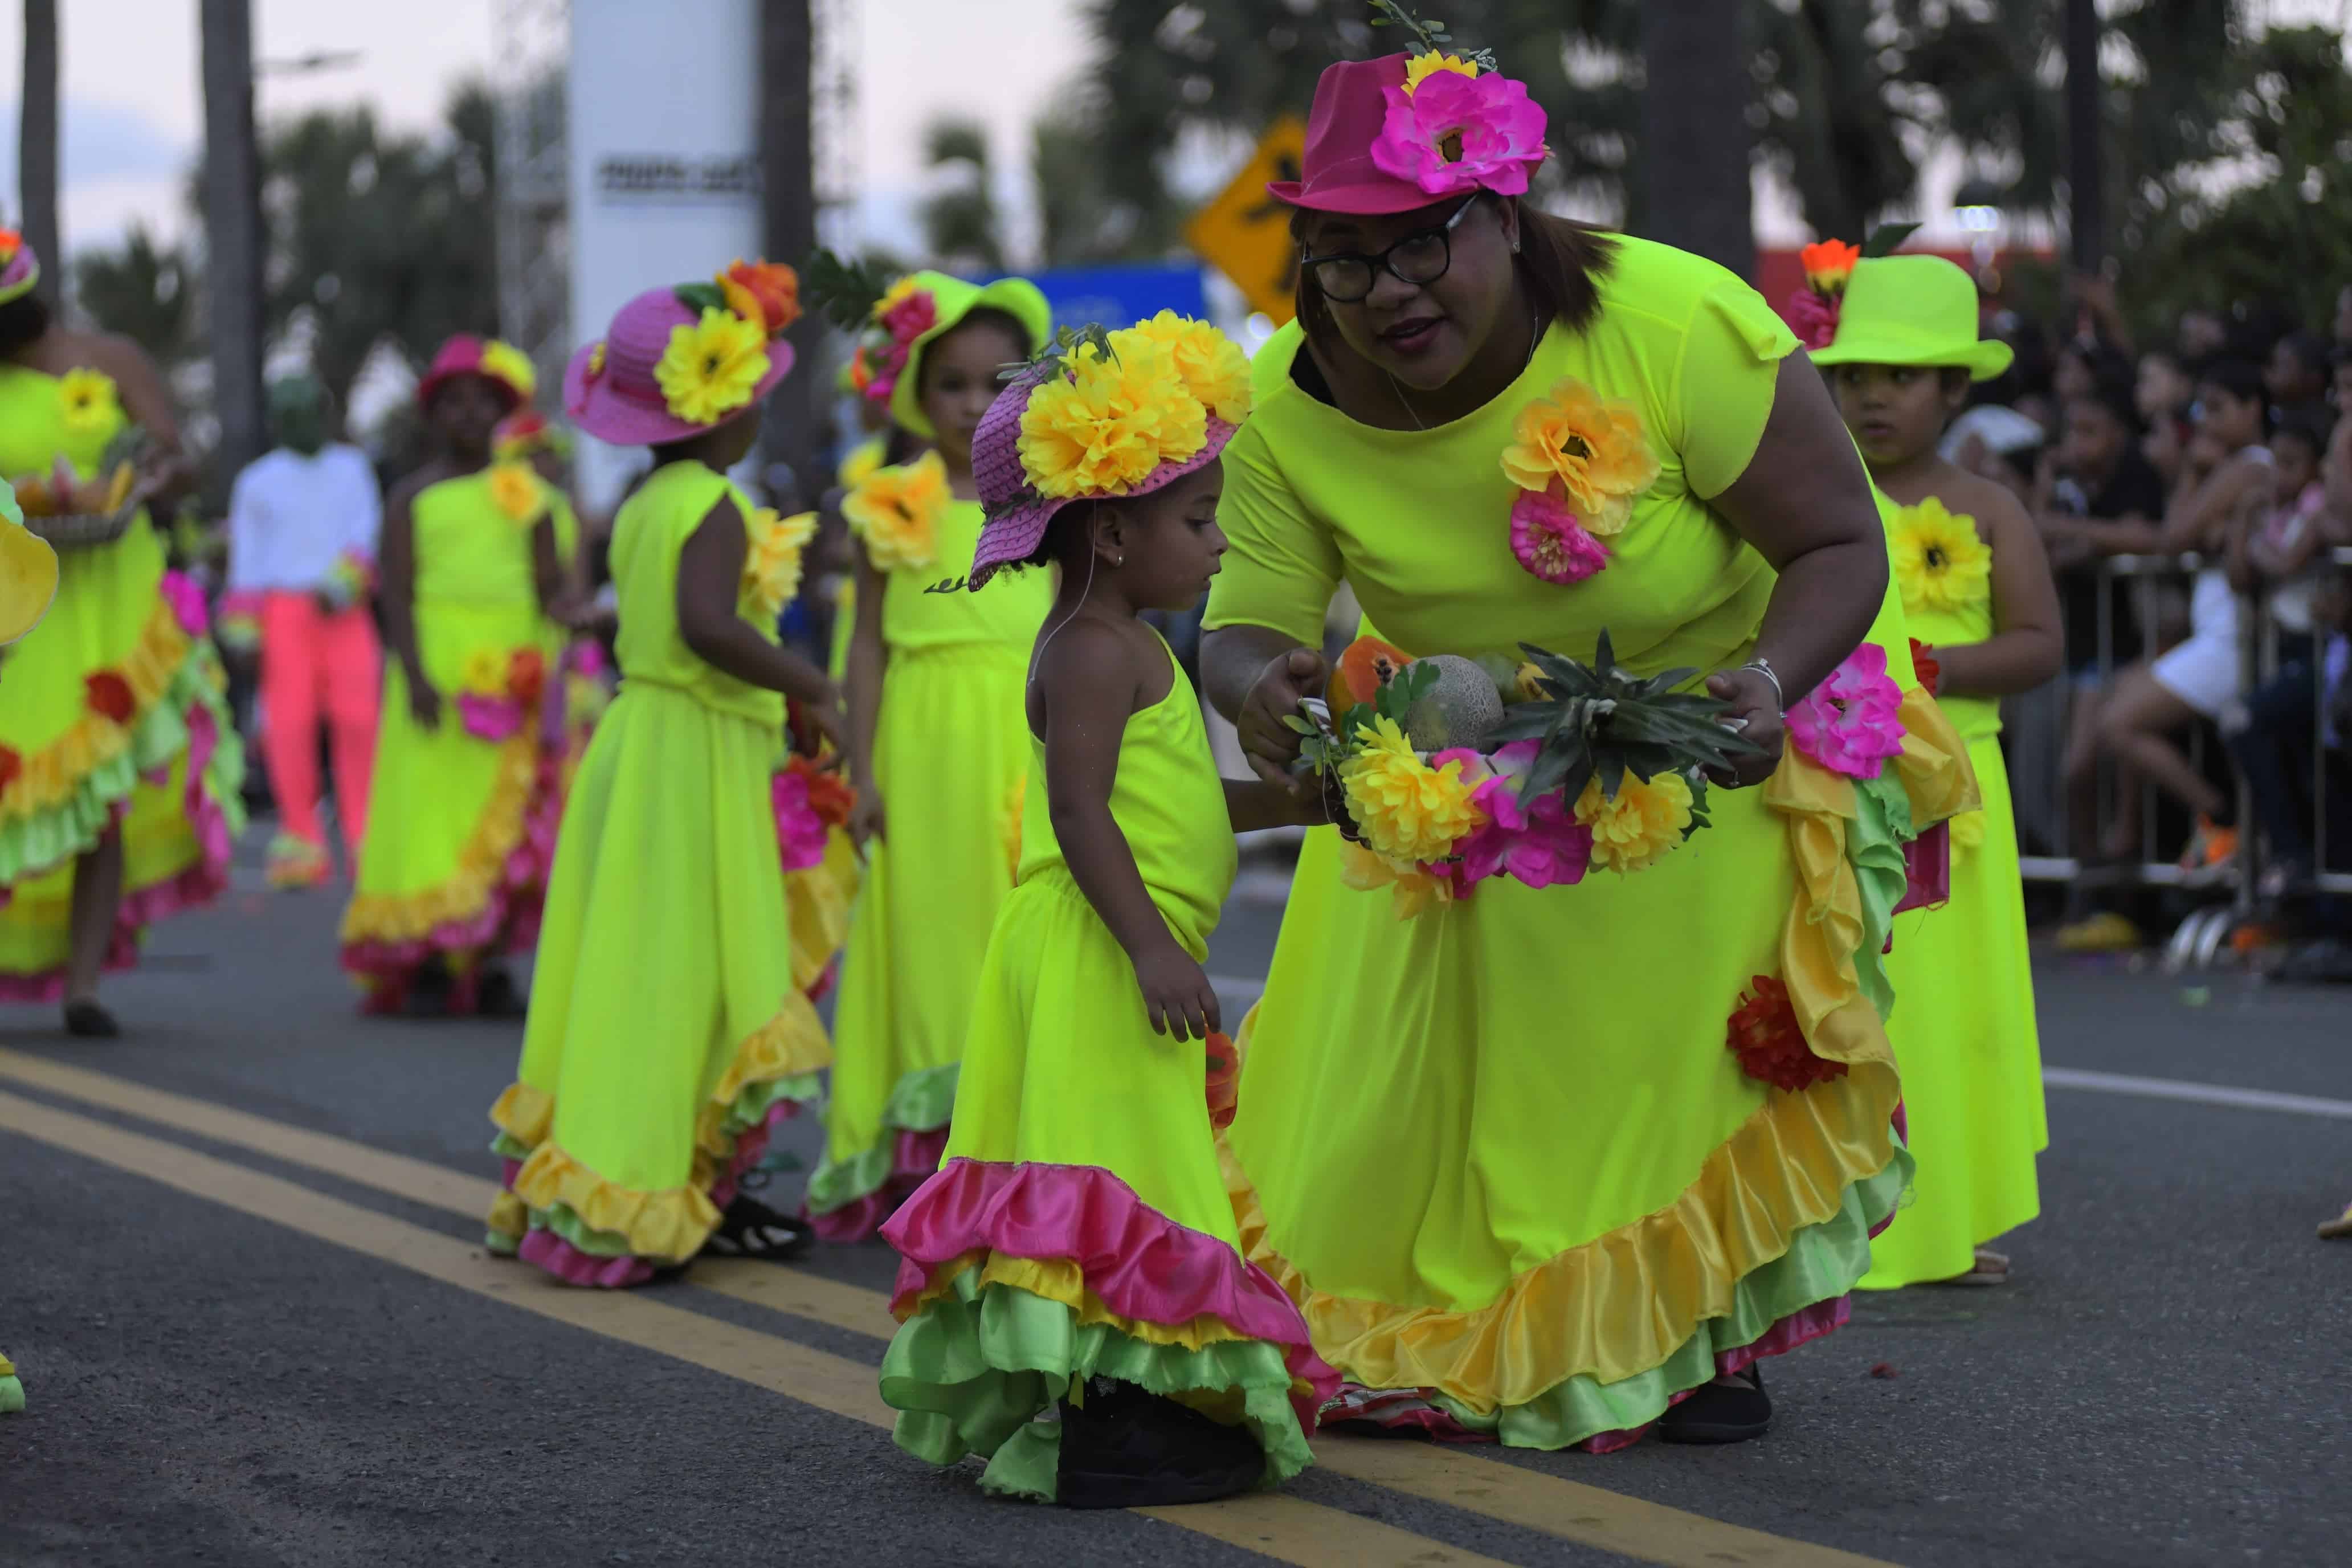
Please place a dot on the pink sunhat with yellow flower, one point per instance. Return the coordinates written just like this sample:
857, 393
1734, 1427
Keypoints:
20, 269
502, 365
678, 363
1102, 416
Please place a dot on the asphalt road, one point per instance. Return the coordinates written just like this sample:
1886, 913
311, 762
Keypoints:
240, 1274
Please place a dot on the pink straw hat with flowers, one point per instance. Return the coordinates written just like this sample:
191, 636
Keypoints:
1028, 462
20, 267
503, 366
1402, 131
680, 362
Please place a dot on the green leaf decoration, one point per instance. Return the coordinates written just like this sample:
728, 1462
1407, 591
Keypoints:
1886, 237
1432, 36
845, 291
700, 297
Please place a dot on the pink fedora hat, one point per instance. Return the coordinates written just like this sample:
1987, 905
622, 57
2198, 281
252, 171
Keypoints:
1377, 146
609, 388
503, 366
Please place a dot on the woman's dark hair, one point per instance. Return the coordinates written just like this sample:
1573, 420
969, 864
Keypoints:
2241, 379
2309, 426
1562, 260
1064, 531
22, 321
2118, 399
2310, 351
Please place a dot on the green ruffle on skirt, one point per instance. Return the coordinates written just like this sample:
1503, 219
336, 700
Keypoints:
920, 1101
973, 1372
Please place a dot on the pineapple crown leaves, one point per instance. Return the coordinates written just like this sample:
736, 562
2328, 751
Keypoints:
1431, 35
844, 290
1887, 237
1597, 721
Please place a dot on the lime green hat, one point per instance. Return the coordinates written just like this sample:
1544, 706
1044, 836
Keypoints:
1914, 310
952, 300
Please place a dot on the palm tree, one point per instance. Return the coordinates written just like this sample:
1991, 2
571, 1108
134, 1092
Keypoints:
37, 141
961, 222
787, 166
233, 230
141, 290
1694, 122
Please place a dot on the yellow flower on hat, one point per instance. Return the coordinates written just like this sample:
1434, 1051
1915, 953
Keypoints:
516, 492
895, 512
88, 398
1938, 560
1590, 444
1423, 65
485, 672
772, 564
1633, 831
897, 294
1104, 425
508, 363
711, 367
1214, 368
1406, 809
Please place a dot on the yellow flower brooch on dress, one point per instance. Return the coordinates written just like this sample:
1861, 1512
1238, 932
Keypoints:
89, 401
1579, 460
1938, 560
895, 512
517, 492
772, 564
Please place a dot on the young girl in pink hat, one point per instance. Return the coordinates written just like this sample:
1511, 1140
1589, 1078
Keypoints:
465, 792
669, 1028
1073, 1301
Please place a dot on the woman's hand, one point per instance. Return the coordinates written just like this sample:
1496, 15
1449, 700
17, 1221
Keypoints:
1270, 744
1177, 994
866, 818
424, 703
1756, 710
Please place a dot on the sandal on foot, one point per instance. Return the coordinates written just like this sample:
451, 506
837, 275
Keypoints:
1127, 1448
1991, 1268
1720, 1412
2340, 1228
89, 1021
749, 1228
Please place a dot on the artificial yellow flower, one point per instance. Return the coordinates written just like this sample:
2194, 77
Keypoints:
1009, 824
508, 363
516, 492
772, 562
1103, 427
711, 368
485, 674
596, 359
88, 400
1591, 446
28, 571
1413, 892
1968, 830
1937, 558
895, 512
1214, 369
1645, 822
1406, 809
1422, 66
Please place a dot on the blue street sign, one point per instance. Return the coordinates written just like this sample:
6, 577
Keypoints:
1117, 296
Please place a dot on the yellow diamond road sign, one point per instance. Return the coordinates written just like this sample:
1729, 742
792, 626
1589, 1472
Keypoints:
1245, 234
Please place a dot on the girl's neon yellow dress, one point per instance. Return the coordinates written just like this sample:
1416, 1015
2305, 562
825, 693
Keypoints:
1499, 1153
951, 758
29, 572
668, 1029
462, 819
110, 713
1965, 1029
1080, 1228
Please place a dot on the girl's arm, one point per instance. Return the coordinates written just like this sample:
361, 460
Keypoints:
2189, 522
397, 597
547, 578
869, 659
2026, 646
709, 576
168, 472
2282, 563
1253, 804
1088, 685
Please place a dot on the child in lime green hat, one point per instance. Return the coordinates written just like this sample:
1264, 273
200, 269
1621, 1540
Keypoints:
1976, 589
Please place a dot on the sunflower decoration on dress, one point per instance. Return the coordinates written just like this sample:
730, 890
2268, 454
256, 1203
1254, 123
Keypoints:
1939, 561
895, 512
517, 492
772, 562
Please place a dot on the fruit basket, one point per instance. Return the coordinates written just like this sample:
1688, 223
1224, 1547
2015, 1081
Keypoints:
75, 513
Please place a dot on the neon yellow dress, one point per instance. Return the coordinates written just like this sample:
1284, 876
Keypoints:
668, 1031
1964, 1029
462, 817
951, 758
110, 711
1079, 1226
1499, 1153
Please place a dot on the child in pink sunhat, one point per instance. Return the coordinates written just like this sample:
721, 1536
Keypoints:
1074, 1301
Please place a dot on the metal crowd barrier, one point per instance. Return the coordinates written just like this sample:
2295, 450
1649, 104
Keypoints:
2232, 891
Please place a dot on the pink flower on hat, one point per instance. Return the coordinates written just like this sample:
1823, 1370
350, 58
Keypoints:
1451, 133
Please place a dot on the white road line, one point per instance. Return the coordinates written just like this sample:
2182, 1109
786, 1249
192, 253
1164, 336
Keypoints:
2196, 1093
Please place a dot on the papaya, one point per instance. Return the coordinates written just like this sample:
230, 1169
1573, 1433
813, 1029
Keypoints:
1367, 665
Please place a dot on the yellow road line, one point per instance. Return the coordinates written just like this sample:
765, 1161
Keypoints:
1287, 1528
1536, 1499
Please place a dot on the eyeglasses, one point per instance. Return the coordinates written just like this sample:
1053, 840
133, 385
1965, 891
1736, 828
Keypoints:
1417, 258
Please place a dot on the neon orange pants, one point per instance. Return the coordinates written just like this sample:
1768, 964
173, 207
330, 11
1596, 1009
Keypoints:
319, 664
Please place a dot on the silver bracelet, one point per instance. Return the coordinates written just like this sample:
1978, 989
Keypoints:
1763, 666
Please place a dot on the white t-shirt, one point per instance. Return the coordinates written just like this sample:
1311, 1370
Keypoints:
290, 516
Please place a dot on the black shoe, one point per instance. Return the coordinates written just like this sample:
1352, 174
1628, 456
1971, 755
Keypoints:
496, 995
1126, 1447
749, 1228
1720, 1413
88, 1021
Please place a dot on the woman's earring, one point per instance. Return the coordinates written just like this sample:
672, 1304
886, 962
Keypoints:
1515, 245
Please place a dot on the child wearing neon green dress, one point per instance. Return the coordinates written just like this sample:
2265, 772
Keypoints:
1976, 589
670, 1026
934, 678
28, 584
467, 789
1073, 1298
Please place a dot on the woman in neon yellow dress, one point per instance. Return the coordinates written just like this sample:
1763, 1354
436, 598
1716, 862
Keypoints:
669, 1027
934, 672
1549, 1165
1075, 1306
1976, 586
120, 766
467, 790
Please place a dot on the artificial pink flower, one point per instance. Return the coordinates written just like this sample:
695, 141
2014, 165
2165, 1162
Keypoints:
1848, 723
1453, 134
1547, 848
910, 318
490, 718
1549, 540
1814, 318
800, 831
187, 602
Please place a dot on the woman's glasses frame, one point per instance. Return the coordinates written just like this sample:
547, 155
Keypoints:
1367, 265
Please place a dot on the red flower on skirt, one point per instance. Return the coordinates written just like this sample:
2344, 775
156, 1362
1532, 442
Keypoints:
829, 795
526, 675
1770, 1046
1922, 660
11, 765
110, 694
1224, 1082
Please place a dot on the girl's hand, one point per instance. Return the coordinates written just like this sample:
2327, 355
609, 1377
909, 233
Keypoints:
823, 721
1753, 700
1177, 994
1270, 744
866, 819
424, 703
